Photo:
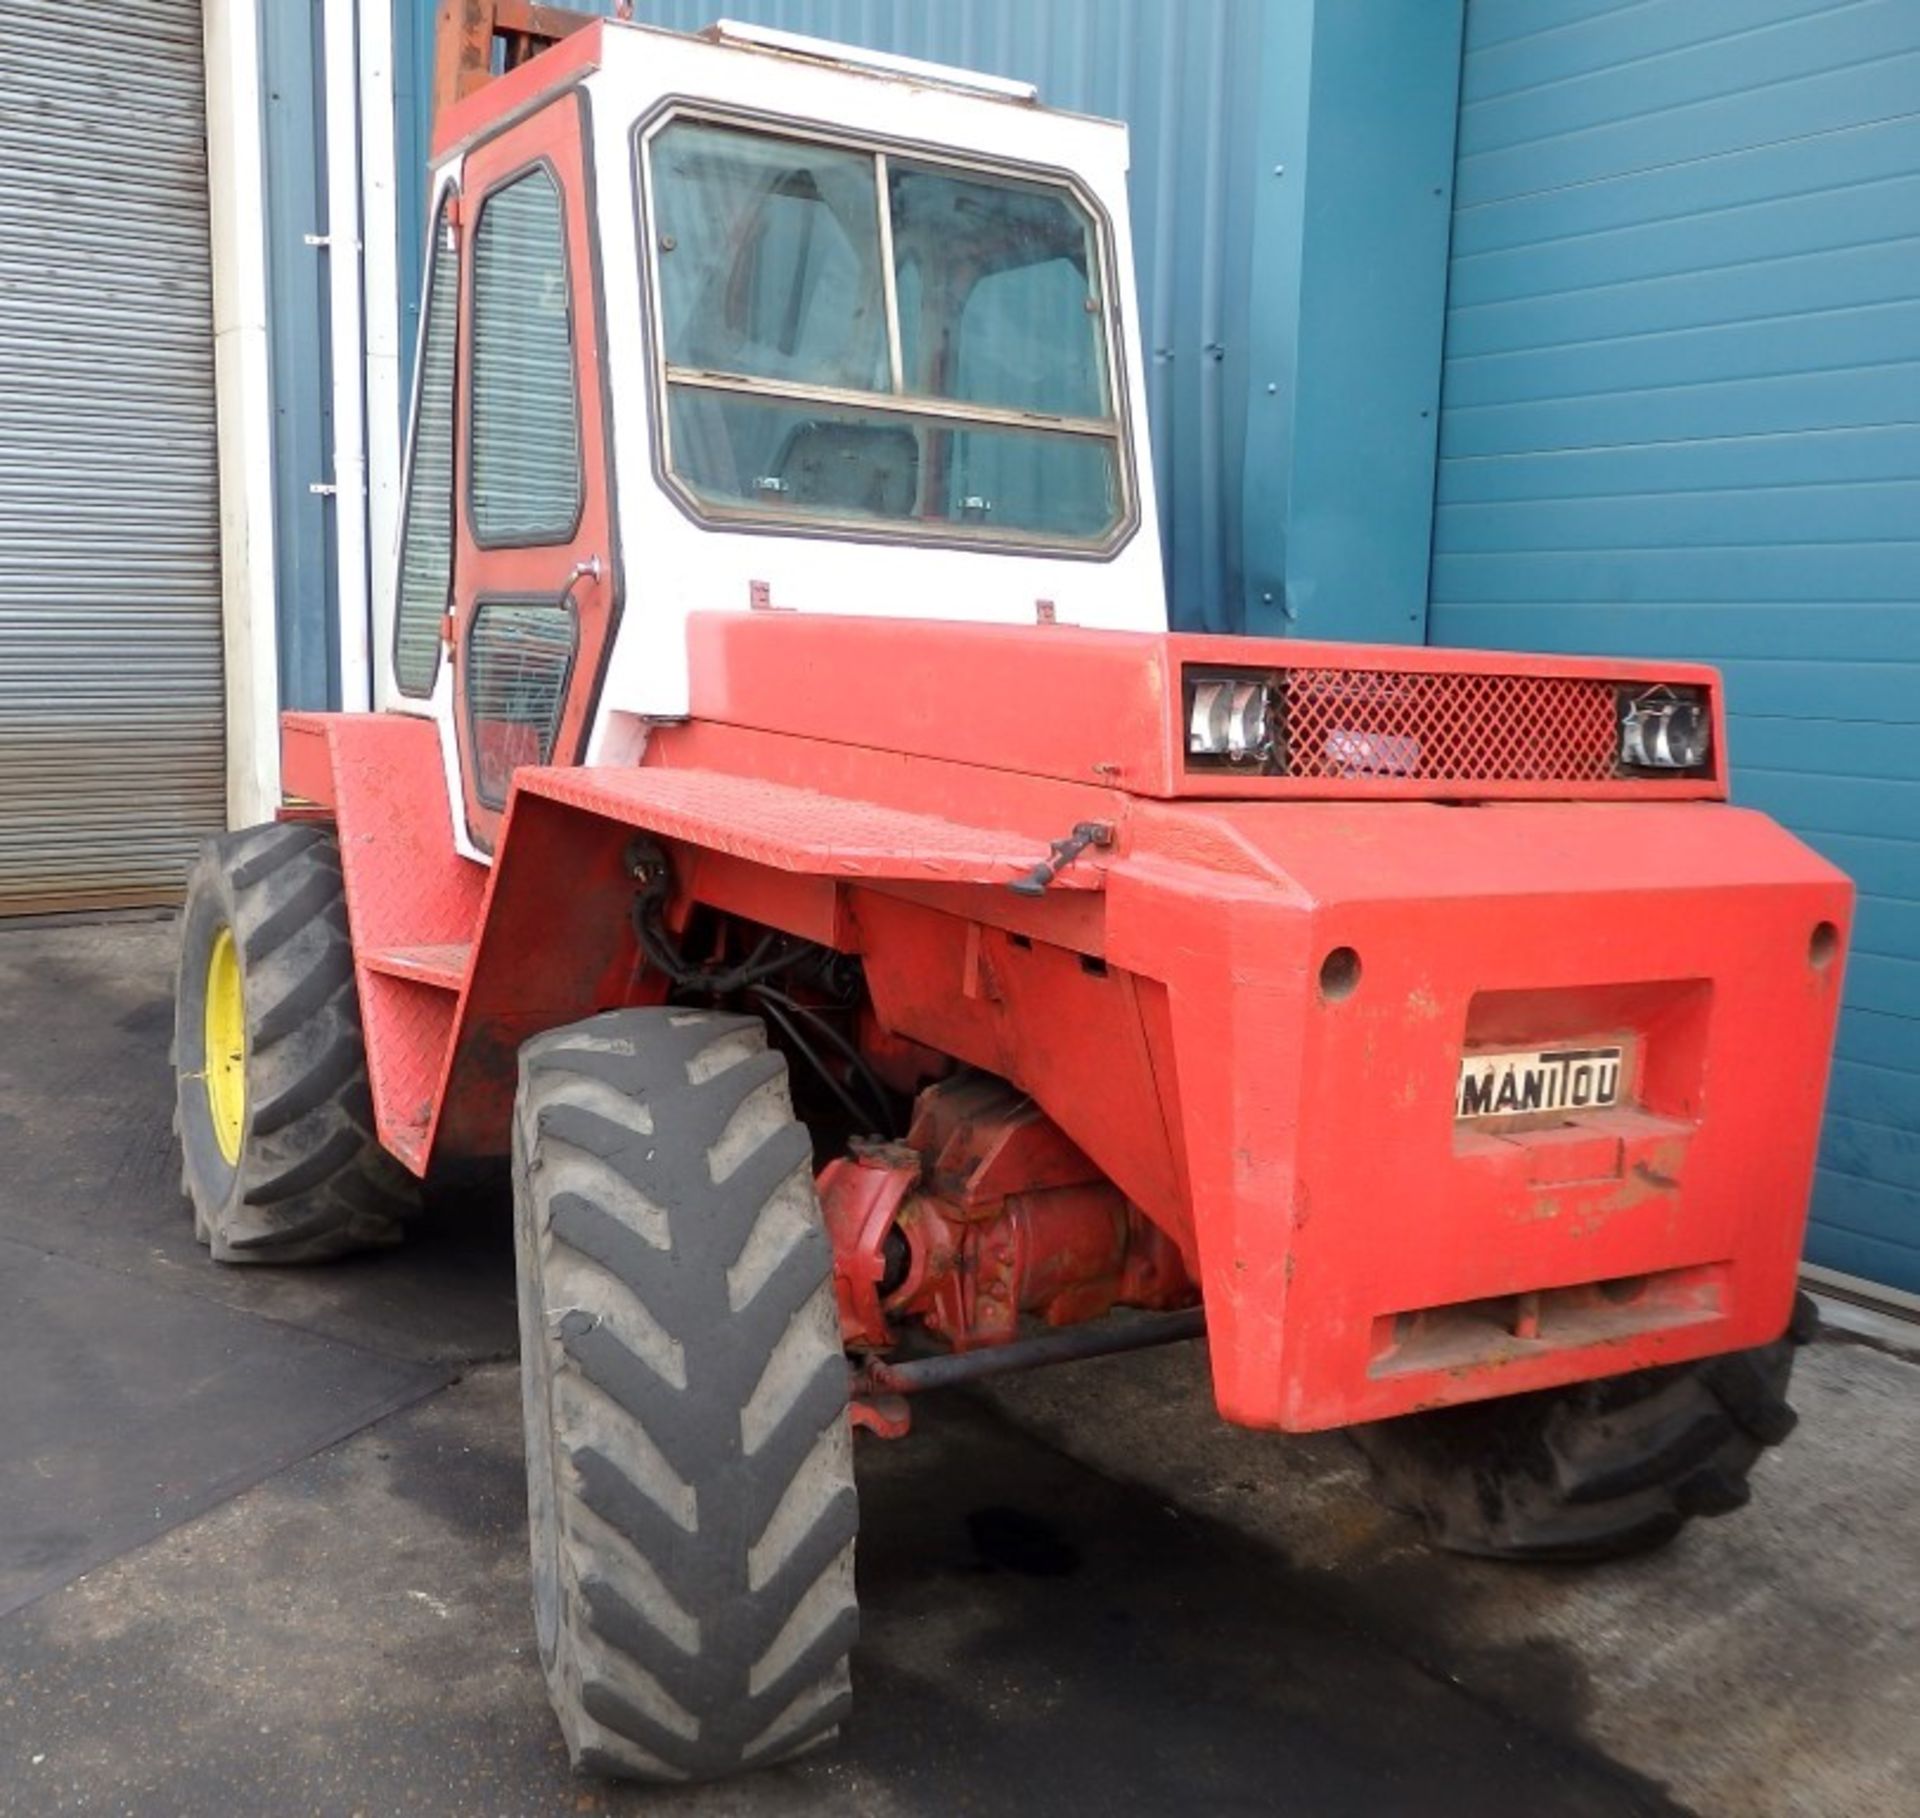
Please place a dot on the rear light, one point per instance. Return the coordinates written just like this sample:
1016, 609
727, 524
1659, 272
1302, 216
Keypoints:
1664, 728
1232, 719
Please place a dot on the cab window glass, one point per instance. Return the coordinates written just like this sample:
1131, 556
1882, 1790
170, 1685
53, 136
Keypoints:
1004, 293
881, 342
519, 659
525, 455
426, 544
771, 258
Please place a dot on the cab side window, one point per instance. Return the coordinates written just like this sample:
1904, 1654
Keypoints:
426, 545
526, 483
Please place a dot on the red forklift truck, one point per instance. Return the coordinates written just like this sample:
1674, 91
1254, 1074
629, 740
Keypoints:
792, 841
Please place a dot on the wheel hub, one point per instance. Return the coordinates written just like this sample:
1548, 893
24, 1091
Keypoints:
226, 1045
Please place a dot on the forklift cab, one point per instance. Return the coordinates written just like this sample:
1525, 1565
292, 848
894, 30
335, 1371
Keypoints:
738, 320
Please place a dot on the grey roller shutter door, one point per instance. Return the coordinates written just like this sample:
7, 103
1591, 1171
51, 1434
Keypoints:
111, 719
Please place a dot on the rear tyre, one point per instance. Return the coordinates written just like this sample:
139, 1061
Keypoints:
1596, 1470
271, 1107
689, 1458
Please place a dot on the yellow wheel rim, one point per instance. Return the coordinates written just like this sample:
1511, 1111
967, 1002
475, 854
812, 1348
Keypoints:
226, 1048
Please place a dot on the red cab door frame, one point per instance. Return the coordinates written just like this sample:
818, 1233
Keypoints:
577, 571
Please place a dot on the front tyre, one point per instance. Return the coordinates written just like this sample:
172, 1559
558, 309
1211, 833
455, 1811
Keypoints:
1595, 1470
271, 1107
689, 1459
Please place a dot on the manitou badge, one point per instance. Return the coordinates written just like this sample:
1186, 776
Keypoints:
1538, 1079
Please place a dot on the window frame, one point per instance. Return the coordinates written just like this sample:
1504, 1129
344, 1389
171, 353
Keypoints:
1117, 429
445, 214
470, 318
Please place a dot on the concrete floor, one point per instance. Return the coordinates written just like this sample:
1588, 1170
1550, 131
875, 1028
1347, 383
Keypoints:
262, 1539
1766, 1663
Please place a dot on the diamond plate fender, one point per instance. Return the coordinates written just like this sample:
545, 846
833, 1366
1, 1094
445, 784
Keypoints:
381, 777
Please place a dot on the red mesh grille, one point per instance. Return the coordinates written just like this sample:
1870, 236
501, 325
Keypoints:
1449, 728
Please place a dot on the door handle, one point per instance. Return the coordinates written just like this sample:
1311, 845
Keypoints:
588, 568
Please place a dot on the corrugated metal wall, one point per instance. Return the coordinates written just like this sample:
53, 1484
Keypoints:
1186, 76
1681, 416
111, 713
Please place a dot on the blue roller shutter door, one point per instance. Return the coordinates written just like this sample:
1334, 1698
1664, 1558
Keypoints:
1681, 417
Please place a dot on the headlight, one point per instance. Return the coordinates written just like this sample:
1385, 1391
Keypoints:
1232, 719
1664, 728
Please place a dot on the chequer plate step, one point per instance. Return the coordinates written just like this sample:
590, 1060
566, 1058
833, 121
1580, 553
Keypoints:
795, 829
445, 966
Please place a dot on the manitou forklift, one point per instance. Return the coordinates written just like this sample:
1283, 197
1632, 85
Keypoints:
793, 842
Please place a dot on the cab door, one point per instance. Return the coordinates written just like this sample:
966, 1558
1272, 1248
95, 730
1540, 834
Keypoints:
535, 592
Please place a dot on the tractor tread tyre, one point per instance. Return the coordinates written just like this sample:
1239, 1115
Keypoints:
312, 1182
691, 1502
1596, 1470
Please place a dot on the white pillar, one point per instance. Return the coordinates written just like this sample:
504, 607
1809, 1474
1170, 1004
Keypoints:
244, 405
379, 231
343, 251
